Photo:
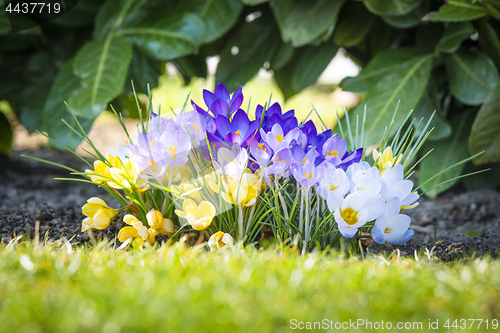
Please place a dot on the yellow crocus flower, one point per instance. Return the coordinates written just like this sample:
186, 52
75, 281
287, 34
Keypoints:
219, 240
99, 214
198, 216
161, 225
126, 175
101, 173
386, 160
242, 191
136, 230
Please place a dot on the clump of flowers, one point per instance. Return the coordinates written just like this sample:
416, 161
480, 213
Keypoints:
219, 172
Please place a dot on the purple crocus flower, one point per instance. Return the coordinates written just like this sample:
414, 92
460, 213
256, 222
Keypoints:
239, 130
220, 102
261, 153
308, 173
281, 161
277, 139
274, 115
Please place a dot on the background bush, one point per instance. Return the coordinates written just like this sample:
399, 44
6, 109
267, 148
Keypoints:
425, 55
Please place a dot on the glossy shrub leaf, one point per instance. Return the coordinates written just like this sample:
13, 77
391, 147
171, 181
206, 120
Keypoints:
446, 152
485, 133
55, 109
391, 7
409, 20
353, 26
102, 67
191, 66
453, 36
283, 55
255, 43
429, 102
219, 16
143, 70
5, 134
382, 64
31, 105
301, 22
472, 76
458, 11
113, 13
253, 2
166, 37
404, 84
304, 68
490, 41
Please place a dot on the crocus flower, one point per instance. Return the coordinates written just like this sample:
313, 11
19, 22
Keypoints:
126, 176
273, 115
392, 227
386, 160
354, 211
231, 162
220, 240
162, 225
365, 179
277, 139
261, 153
281, 162
193, 123
239, 130
396, 186
101, 173
99, 214
242, 191
137, 231
219, 102
308, 173
334, 149
335, 182
198, 216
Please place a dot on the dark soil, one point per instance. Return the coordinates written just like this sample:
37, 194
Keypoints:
457, 224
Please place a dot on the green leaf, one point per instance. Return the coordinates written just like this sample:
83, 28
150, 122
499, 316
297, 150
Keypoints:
166, 37
453, 36
219, 15
301, 22
404, 84
391, 7
458, 11
65, 85
472, 76
304, 68
283, 55
253, 2
32, 104
102, 66
5, 134
485, 134
81, 15
191, 66
381, 64
487, 179
113, 13
353, 26
490, 41
256, 43
143, 70
427, 35
446, 153
409, 20
429, 102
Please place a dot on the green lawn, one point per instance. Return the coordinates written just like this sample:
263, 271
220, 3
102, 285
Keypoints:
58, 288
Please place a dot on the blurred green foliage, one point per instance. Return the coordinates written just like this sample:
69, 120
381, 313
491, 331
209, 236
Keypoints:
423, 55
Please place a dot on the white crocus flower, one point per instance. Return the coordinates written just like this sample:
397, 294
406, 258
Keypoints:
364, 179
354, 211
396, 186
335, 182
392, 227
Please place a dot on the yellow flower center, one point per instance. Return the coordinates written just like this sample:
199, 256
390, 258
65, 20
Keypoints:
279, 138
349, 215
332, 153
387, 231
261, 147
279, 160
173, 152
308, 175
238, 132
333, 188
